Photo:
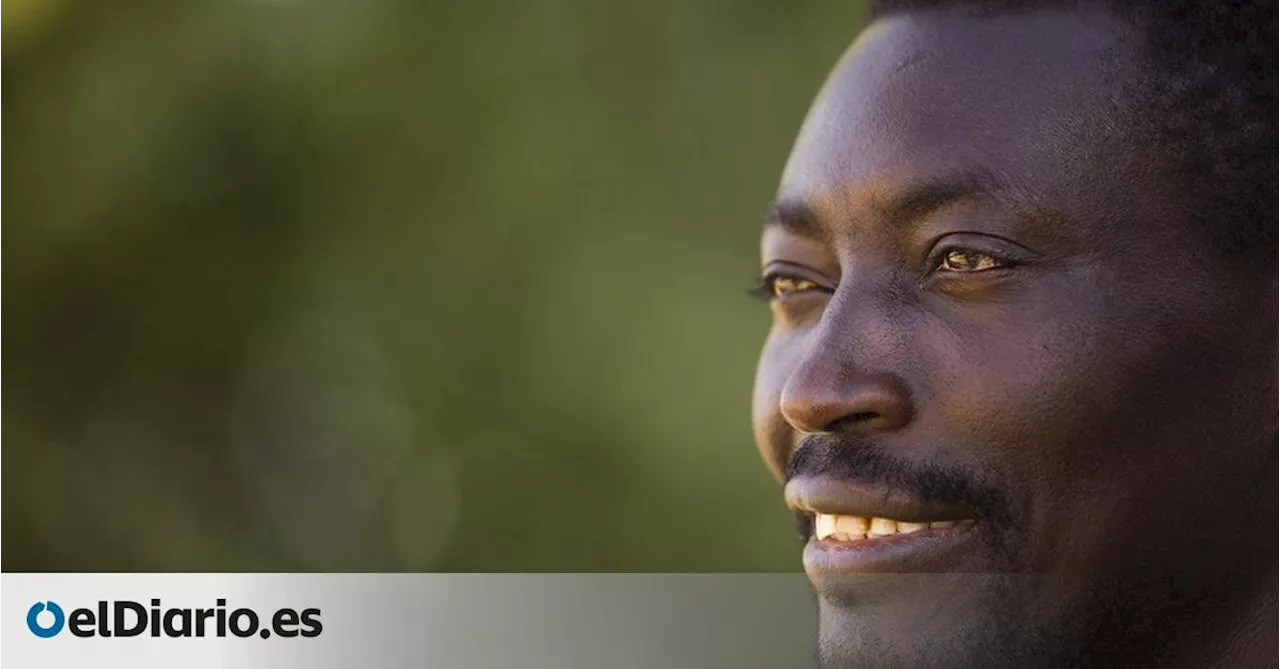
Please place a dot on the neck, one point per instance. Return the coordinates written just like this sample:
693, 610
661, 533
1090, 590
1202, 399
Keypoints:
1243, 632
1247, 632
1247, 639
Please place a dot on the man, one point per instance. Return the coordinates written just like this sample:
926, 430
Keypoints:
1021, 381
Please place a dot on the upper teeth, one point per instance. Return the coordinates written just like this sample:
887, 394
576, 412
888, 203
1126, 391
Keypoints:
852, 528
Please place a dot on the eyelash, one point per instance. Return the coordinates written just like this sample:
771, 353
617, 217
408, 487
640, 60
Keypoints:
766, 289
763, 290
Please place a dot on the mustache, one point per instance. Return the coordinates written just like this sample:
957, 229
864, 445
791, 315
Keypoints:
857, 460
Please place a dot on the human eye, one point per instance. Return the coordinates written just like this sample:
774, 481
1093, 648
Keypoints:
969, 263
777, 285
963, 260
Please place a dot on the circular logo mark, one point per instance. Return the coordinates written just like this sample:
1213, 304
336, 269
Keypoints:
45, 631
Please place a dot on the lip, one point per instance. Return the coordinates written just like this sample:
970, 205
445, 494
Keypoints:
935, 550
932, 551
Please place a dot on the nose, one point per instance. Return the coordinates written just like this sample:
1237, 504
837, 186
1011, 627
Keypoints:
826, 395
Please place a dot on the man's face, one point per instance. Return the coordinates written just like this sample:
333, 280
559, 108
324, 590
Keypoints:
996, 322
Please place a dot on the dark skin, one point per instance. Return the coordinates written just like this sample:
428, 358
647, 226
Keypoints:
992, 301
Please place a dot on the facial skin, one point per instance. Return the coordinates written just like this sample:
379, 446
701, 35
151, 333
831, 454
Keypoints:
991, 302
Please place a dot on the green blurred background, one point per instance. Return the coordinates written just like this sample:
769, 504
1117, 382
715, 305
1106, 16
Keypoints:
395, 285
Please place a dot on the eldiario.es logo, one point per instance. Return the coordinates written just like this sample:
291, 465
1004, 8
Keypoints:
125, 618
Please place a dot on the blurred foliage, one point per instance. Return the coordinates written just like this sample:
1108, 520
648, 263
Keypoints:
381, 286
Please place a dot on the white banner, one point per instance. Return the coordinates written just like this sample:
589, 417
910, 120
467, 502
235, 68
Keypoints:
403, 620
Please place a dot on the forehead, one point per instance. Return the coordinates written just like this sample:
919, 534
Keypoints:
1025, 96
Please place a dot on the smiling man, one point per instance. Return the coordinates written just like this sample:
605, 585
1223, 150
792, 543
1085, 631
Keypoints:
1021, 381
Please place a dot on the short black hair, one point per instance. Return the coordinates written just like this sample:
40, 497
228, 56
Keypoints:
1212, 99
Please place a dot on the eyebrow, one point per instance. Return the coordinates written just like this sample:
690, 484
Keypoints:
910, 204
794, 216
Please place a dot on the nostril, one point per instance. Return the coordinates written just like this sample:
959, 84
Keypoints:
859, 421
821, 401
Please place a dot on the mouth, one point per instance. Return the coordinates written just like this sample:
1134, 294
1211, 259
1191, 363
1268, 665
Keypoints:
852, 529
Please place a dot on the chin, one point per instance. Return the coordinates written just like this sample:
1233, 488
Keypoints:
951, 621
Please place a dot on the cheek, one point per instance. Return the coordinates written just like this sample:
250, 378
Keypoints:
772, 434
1050, 374
774, 437
1084, 399
1007, 386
